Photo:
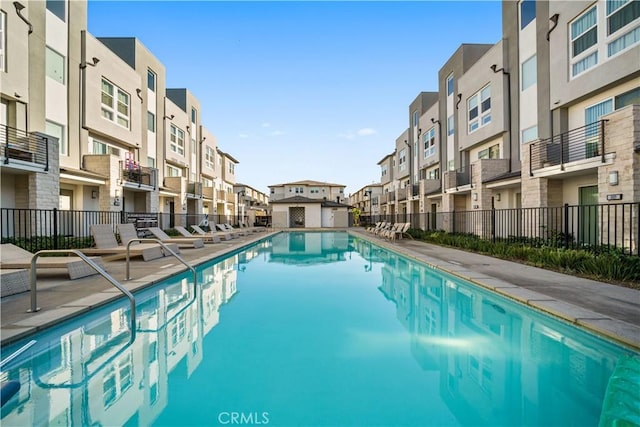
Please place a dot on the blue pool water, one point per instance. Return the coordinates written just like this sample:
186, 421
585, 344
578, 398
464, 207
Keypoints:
320, 329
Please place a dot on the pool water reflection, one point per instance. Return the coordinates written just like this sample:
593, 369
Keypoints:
316, 329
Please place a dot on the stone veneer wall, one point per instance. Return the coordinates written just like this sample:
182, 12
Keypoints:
107, 165
44, 188
621, 136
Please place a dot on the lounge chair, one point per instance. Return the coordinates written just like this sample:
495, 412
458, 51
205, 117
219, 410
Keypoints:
223, 229
201, 232
106, 244
182, 242
231, 229
13, 281
206, 238
12, 256
400, 231
245, 227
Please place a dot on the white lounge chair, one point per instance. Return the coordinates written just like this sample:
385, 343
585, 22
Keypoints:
12, 256
206, 238
182, 242
201, 232
223, 229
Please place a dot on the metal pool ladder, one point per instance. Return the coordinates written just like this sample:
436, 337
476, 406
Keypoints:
165, 247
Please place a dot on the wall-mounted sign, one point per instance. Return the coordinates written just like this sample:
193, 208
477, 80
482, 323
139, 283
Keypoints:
614, 196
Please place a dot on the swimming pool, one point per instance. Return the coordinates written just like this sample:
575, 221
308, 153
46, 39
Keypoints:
318, 329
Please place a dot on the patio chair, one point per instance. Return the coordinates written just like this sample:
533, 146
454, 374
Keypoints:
106, 244
245, 227
12, 256
231, 229
201, 232
182, 242
387, 232
206, 238
401, 231
223, 229
13, 281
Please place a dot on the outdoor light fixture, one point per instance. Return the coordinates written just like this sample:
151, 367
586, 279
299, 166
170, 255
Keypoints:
475, 196
94, 194
613, 178
169, 117
117, 192
19, 6
498, 197
93, 63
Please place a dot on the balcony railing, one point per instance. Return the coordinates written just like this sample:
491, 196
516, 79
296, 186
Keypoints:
18, 145
194, 188
431, 185
402, 194
415, 190
140, 175
582, 143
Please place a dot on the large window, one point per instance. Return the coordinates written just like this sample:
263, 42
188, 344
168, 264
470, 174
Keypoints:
177, 140
57, 7
54, 63
232, 168
415, 119
479, 109
210, 157
151, 80
529, 72
115, 104
621, 13
584, 37
384, 169
430, 142
628, 98
194, 115
173, 171
3, 41
57, 130
527, 12
529, 134
492, 152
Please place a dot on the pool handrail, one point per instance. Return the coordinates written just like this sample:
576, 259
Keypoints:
165, 247
17, 353
96, 267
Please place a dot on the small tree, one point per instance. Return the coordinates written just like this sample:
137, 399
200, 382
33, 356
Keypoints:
356, 216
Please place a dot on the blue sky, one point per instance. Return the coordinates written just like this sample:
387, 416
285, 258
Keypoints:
302, 90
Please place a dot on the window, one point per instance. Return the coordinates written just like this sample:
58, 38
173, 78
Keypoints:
177, 140
299, 190
173, 171
54, 63
627, 98
595, 112
57, 130
433, 174
194, 115
624, 41
206, 182
314, 191
151, 162
98, 147
527, 12
115, 104
209, 158
492, 152
479, 109
429, 142
151, 121
3, 41
620, 13
529, 134
450, 85
151, 80
57, 7
415, 119
583, 36
529, 72
402, 159
450, 125
384, 170
232, 168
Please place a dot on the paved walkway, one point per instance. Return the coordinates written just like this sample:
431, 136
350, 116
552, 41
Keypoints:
607, 309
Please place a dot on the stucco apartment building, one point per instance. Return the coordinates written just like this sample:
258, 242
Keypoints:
547, 116
89, 124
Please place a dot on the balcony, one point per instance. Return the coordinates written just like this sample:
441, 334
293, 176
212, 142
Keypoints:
430, 186
223, 196
402, 194
391, 197
586, 142
138, 175
23, 150
194, 190
207, 192
458, 178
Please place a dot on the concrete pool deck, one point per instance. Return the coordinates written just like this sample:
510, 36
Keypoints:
609, 310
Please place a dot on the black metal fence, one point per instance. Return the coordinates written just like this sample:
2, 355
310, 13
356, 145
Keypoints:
568, 226
37, 229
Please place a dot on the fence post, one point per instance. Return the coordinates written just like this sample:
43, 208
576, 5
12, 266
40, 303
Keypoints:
566, 226
493, 220
55, 228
